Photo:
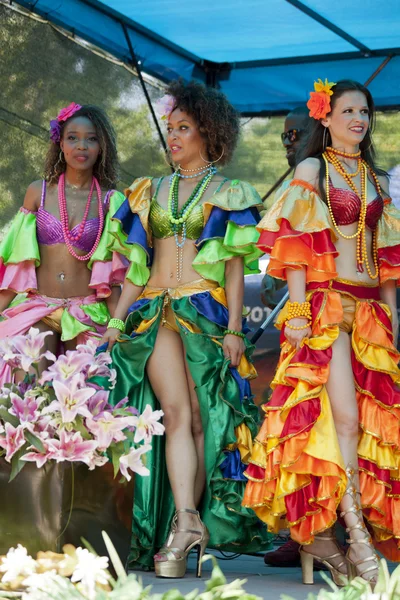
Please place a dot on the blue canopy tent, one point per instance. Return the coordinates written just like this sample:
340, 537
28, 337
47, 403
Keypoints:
263, 54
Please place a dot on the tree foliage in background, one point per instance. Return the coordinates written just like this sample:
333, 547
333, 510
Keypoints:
41, 71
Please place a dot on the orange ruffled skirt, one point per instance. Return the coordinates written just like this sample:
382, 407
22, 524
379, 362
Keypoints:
296, 475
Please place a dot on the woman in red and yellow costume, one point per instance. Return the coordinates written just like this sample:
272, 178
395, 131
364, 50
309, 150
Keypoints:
331, 436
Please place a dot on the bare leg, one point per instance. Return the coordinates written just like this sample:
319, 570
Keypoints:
167, 376
198, 436
341, 390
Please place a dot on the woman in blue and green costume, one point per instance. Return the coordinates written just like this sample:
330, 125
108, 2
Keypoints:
57, 272
190, 238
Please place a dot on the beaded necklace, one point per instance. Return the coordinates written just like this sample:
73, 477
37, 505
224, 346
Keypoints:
69, 237
330, 157
178, 217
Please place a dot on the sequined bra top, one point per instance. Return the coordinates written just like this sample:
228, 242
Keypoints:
161, 225
49, 229
346, 207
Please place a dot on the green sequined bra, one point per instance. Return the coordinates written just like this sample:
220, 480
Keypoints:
161, 225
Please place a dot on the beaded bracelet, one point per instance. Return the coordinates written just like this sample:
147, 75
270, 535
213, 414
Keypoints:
295, 310
116, 324
299, 327
233, 332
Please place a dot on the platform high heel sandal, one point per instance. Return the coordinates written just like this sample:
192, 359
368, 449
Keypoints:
175, 562
355, 567
307, 563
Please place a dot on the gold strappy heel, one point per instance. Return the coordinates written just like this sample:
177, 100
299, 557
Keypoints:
354, 569
307, 563
176, 559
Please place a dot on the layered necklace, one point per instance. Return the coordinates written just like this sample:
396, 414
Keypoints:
69, 236
178, 216
330, 156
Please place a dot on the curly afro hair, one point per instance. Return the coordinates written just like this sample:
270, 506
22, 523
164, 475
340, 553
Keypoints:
106, 167
217, 120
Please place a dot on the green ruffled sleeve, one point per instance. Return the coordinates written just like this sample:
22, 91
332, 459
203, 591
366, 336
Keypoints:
19, 254
130, 231
230, 220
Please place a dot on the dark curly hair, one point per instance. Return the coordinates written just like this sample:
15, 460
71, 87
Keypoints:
106, 167
218, 122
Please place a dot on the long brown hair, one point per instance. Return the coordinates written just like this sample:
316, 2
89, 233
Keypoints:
313, 143
106, 167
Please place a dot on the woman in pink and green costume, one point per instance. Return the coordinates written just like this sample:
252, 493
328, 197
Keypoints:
191, 238
56, 269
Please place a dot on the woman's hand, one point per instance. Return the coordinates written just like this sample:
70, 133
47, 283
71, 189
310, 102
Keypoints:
296, 336
110, 337
233, 348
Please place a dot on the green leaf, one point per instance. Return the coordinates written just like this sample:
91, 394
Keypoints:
79, 426
115, 559
5, 416
116, 450
16, 464
35, 441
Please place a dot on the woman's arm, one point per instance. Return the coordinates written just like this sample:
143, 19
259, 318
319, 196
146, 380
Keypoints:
31, 203
296, 279
130, 293
388, 294
234, 288
113, 299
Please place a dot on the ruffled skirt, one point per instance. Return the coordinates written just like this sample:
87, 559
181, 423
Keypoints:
296, 473
198, 311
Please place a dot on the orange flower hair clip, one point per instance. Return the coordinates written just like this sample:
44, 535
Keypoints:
320, 100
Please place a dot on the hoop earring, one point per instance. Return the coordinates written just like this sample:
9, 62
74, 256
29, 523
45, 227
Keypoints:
324, 139
211, 162
168, 160
60, 160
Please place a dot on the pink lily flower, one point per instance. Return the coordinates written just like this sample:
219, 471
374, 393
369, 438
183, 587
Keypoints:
147, 424
13, 440
29, 347
89, 348
97, 460
7, 353
98, 403
25, 409
67, 366
71, 401
39, 458
72, 447
107, 429
133, 462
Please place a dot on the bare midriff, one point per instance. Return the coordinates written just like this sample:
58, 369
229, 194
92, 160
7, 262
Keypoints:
60, 275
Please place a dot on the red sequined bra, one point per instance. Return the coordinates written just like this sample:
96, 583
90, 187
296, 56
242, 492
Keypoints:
346, 207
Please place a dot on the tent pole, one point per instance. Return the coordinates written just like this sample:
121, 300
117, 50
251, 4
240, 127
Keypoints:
379, 69
277, 183
142, 83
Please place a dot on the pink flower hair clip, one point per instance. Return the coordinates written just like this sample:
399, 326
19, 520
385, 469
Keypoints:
63, 115
164, 106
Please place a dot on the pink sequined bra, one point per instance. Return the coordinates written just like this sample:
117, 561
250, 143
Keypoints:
49, 230
346, 207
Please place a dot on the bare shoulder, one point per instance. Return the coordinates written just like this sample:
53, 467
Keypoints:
33, 195
384, 183
308, 170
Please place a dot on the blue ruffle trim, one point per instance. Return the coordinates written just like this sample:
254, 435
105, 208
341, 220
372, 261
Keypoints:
212, 310
133, 228
232, 467
219, 218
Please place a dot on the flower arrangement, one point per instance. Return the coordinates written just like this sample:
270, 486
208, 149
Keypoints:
64, 415
63, 115
79, 575
320, 99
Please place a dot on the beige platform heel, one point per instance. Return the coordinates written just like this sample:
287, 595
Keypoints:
355, 567
307, 563
176, 559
